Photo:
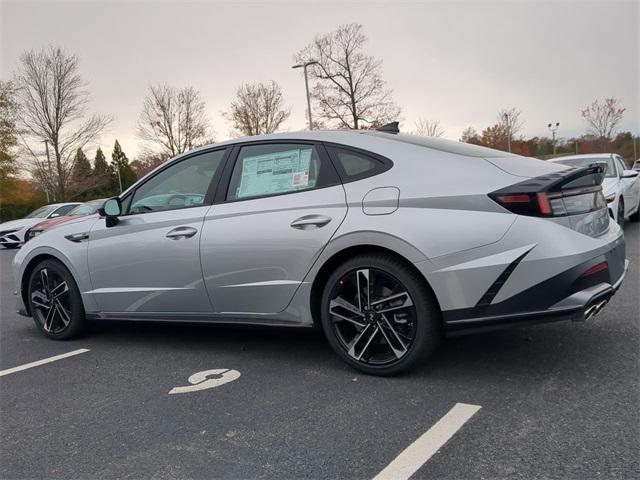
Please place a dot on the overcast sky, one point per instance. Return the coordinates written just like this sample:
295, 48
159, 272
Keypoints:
457, 62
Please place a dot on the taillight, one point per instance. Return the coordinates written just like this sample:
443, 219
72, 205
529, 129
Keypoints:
558, 195
553, 204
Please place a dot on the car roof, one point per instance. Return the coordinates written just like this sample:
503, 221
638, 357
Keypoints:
61, 204
342, 136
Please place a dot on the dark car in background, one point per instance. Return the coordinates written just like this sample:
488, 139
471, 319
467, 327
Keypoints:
82, 210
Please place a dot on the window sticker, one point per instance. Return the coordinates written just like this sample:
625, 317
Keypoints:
275, 173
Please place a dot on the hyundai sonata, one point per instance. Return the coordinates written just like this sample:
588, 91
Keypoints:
384, 241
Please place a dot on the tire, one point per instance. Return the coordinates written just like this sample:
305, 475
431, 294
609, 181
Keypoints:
395, 342
60, 317
11, 246
636, 216
621, 212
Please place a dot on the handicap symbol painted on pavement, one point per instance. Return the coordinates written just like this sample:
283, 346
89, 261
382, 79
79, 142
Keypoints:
207, 379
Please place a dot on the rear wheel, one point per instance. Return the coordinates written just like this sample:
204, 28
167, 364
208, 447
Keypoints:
55, 302
378, 315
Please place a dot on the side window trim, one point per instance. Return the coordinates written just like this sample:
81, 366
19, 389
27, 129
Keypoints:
385, 163
208, 199
222, 192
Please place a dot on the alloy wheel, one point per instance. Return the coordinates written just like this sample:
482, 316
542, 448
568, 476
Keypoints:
373, 316
50, 301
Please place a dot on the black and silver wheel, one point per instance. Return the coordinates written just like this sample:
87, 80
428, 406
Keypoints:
55, 302
378, 315
620, 212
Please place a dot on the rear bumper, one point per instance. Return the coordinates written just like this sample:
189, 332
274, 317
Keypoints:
568, 296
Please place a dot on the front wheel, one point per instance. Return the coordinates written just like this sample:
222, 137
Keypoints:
636, 216
379, 316
620, 212
55, 302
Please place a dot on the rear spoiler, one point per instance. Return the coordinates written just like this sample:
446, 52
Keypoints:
573, 178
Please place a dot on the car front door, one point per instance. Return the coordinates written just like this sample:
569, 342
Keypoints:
149, 262
283, 204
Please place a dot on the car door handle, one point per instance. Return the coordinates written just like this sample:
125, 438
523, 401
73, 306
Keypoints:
309, 222
181, 232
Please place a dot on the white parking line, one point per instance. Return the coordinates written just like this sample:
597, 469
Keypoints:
417, 454
42, 362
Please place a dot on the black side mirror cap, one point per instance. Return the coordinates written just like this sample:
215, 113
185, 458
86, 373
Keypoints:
111, 209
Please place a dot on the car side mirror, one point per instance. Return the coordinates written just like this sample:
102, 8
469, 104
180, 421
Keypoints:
111, 210
629, 173
54, 215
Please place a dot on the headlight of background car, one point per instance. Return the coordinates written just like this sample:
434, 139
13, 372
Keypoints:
31, 233
610, 198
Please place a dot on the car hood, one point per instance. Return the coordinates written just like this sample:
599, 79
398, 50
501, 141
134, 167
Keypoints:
51, 222
16, 224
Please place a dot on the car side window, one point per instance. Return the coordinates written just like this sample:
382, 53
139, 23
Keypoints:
63, 210
275, 169
182, 185
355, 165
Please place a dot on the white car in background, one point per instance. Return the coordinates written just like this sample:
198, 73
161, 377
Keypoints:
621, 185
12, 232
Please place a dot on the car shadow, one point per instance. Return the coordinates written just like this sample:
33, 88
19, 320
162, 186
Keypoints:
530, 350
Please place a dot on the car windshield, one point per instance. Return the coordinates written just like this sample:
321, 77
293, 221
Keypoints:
610, 170
42, 212
88, 208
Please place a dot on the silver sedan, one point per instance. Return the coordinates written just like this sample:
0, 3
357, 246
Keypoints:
384, 241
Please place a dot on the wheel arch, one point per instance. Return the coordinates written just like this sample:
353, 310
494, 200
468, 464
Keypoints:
340, 256
33, 261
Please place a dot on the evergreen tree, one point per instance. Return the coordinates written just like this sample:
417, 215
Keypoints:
81, 166
81, 177
102, 175
120, 164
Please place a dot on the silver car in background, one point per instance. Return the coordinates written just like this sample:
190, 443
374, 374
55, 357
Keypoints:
386, 242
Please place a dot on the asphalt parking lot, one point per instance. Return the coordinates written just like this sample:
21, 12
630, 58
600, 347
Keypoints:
557, 401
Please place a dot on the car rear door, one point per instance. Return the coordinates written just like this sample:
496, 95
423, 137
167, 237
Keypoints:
278, 209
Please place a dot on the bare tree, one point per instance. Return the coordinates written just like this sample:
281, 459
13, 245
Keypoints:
173, 120
347, 84
54, 100
429, 128
602, 118
509, 119
258, 109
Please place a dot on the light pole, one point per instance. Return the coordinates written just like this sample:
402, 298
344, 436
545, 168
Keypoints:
306, 86
508, 124
554, 128
119, 179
